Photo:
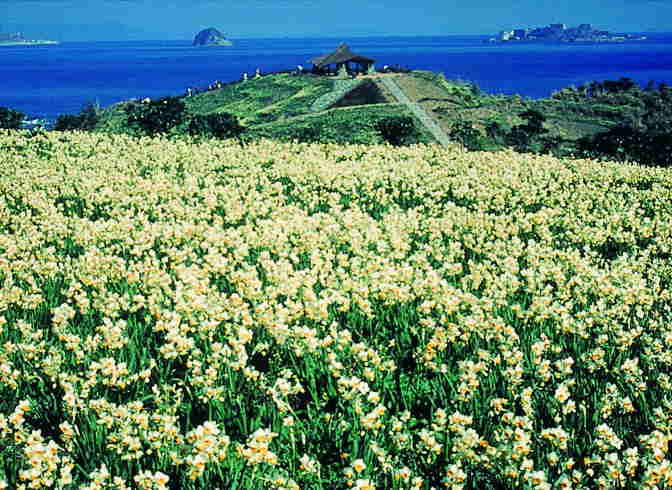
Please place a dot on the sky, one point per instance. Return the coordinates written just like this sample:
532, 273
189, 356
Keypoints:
85, 20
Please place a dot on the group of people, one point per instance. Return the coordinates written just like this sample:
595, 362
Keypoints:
217, 84
257, 74
300, 70
394, 69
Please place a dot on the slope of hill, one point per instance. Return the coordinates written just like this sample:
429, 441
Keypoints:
309, 106
286, 106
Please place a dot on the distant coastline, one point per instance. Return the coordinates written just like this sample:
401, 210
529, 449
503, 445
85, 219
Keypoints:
517, 71
561, 33
17, 39
28, 42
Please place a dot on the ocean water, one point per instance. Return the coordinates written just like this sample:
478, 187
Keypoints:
45, 81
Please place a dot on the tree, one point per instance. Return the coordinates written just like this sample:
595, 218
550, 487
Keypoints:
465, 133
86, 120
215, 125
67, 122
151, 117
496, 132
524, 136
398, 130
10, 119
625, 143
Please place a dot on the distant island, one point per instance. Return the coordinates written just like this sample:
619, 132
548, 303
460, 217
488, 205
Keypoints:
562, 33
211, 37
17, 39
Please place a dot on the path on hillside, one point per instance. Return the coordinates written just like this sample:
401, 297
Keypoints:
416, 109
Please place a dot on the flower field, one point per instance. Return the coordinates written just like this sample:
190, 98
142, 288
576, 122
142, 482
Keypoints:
190, 315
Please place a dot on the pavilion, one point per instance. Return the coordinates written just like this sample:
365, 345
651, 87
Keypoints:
342, 57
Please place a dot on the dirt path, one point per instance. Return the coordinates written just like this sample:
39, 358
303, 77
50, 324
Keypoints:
416, 109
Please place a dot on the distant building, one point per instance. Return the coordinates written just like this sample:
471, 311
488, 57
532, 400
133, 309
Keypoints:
11, 36
505, 35
562, 33
520, 33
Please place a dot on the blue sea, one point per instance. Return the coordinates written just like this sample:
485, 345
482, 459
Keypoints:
45, 81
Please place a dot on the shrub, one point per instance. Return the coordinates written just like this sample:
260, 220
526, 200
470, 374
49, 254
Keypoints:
215, 125
86, 120
306, 134
525, 136
398, 131
67, 122
467, 135
625, 143
495, 131
10, 119
151, 117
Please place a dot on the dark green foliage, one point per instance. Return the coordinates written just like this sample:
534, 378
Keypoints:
528, 136
495, 131
67, 122
86, 120
10, 119
399, 130
217, 125
357, 125
534, 122
156, 116
623, 84
625, 143
658, 106
474, 89
307, 134
646, 139
470, 137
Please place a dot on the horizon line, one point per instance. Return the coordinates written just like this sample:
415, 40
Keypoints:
353, 36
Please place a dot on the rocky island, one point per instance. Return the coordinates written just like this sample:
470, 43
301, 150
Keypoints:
17, 39
211, 37
562, 33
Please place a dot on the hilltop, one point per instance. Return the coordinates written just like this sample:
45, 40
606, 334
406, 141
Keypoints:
287, 106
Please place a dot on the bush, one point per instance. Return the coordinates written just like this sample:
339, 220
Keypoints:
496, 132
525, 137
398, 131
625, 143
306, 134
86, 120
151, 117
215, 125
467, 135
10, 119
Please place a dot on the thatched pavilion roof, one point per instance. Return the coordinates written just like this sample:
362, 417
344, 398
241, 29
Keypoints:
341, 55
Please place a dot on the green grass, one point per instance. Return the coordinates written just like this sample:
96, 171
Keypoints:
279, 106
262, 100
356, 124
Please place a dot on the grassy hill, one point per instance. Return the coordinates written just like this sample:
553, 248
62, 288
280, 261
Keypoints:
321, 109
279, 105
263, 100
453, 101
